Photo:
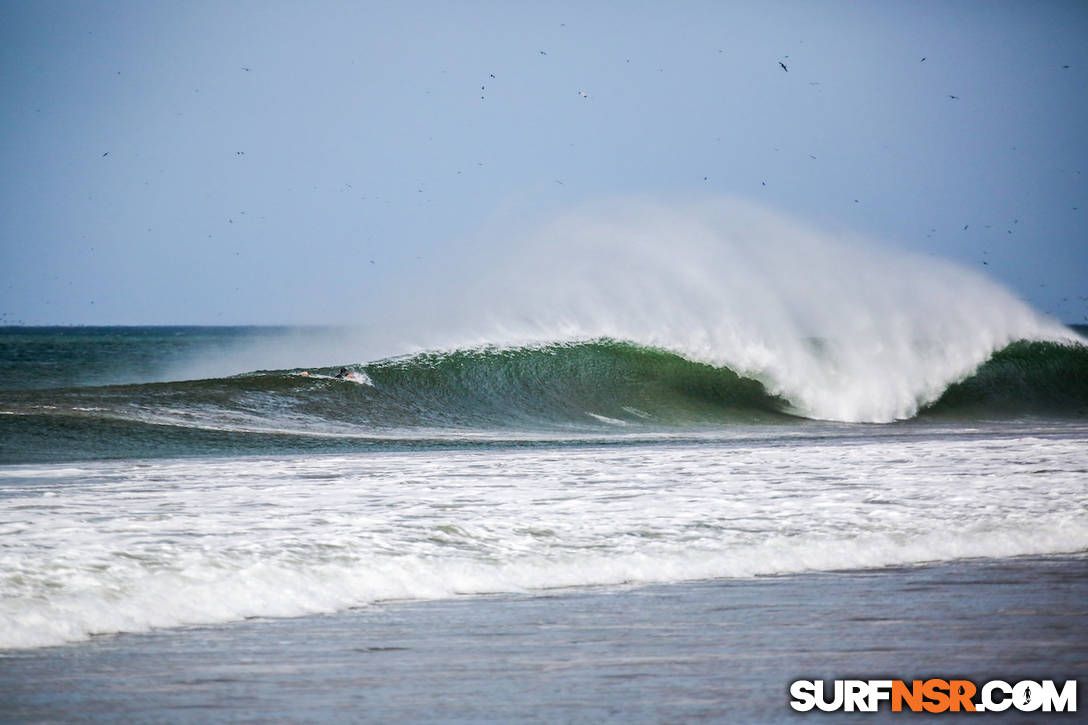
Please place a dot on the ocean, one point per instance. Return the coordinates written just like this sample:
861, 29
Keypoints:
574, 529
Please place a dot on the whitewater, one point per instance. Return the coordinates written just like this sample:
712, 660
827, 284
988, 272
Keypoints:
186, 542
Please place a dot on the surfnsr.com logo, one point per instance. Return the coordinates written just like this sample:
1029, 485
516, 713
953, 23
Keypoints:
933, 695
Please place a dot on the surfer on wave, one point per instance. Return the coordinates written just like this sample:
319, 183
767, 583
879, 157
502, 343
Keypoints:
342, 375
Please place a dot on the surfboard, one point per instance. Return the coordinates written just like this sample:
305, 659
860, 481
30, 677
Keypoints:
350, 377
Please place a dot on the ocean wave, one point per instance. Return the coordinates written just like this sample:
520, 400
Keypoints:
1023, 378
597, 387
133, 546
216, 594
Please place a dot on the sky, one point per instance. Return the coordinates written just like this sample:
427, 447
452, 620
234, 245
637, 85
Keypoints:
312, 162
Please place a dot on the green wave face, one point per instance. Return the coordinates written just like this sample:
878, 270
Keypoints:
1025, 378
572, 384
596, 388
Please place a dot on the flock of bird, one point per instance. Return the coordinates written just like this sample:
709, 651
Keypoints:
586, 96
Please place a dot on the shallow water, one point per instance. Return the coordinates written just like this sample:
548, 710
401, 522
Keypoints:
709, 651
124, 546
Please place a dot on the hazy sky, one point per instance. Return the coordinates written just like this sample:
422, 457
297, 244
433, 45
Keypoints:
299, 162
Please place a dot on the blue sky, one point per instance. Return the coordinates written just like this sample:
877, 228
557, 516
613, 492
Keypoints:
310, 162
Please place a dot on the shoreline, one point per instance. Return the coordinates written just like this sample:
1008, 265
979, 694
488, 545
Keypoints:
714, 650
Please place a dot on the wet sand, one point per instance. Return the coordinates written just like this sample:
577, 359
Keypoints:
711, 651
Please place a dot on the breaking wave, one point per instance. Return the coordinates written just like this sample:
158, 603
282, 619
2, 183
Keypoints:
599, 387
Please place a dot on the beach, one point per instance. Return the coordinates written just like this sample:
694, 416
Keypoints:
708, 651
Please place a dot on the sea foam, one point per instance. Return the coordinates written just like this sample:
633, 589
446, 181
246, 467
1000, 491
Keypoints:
191, 542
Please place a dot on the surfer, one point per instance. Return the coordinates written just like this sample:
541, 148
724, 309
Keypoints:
342, 374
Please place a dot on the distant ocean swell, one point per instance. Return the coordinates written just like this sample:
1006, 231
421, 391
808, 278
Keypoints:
596, 387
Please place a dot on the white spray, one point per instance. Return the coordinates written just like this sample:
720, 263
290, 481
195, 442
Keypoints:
843, 328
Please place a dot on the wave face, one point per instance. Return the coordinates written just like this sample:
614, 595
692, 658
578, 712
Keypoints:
574, 383
593, 388
1023, 378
